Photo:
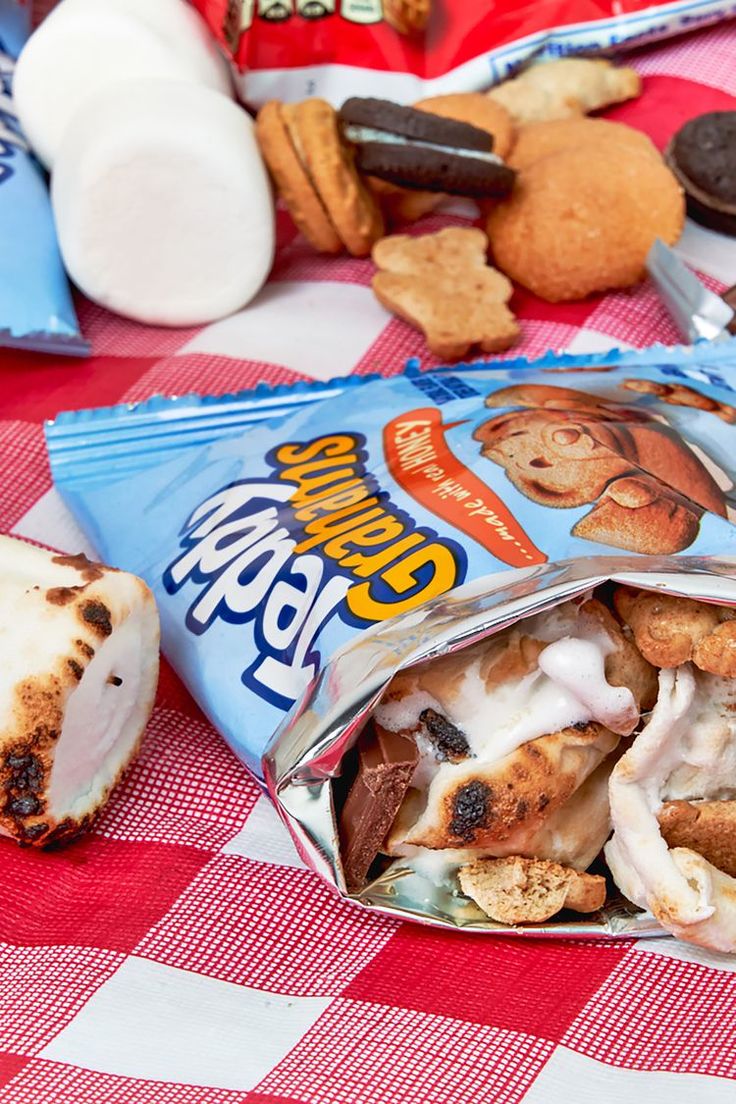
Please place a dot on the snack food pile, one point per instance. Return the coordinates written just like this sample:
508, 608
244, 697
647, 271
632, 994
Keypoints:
490, 769
499, 769
572, 204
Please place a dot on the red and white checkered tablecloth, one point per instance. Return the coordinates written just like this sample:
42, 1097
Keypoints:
182, 953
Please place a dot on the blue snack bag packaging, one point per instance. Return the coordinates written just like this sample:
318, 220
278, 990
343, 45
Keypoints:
36, 310
307, 544
271, 543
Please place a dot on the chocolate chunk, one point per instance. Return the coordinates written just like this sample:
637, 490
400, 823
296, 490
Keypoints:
470, 809
449, 742
386, 762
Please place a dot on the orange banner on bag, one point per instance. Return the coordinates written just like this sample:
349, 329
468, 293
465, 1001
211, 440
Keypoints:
422, 464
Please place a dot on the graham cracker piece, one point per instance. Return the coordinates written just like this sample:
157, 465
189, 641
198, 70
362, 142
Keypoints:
708, 827
564, 88
518, 891
441, 284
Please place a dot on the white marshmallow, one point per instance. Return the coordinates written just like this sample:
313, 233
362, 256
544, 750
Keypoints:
80, 665
85, 45
163, 207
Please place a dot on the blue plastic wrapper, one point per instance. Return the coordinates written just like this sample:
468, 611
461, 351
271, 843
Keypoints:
271, 545
36, 310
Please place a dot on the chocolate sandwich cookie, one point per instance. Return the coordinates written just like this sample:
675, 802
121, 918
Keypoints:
416, 149
703, 157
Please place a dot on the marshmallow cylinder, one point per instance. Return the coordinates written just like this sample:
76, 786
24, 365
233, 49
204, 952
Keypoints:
85, 45
79, 643
162, 204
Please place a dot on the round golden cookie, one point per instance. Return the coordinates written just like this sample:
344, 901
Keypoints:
476, 109
581, 221
537, 140
278, 142
352, 209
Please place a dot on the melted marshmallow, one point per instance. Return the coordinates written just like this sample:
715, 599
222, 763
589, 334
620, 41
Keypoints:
402, 714
639, 859
579, 667
684, 740
569, 687
557, 695
708, 746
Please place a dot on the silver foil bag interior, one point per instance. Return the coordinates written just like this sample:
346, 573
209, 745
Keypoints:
306, 753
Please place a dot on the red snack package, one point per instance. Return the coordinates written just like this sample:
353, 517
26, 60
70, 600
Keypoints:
401, 49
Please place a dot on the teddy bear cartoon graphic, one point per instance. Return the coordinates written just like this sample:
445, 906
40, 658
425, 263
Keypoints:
678, 394
564, 448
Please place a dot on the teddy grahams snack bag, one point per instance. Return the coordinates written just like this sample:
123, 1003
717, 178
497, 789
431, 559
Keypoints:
300, 563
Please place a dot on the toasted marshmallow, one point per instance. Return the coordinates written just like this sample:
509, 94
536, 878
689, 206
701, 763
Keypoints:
684, 751
572, 836
80, 668
510, 728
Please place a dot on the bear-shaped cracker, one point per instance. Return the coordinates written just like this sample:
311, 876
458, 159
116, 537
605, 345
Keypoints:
441, 284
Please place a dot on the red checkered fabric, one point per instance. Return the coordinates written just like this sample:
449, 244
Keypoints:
182, 953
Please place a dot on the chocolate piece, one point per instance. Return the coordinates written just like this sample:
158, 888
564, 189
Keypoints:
386, 762
417, 149
702, 156
449, 741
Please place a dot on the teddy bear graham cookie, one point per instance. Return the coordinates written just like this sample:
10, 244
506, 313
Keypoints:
441, 284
